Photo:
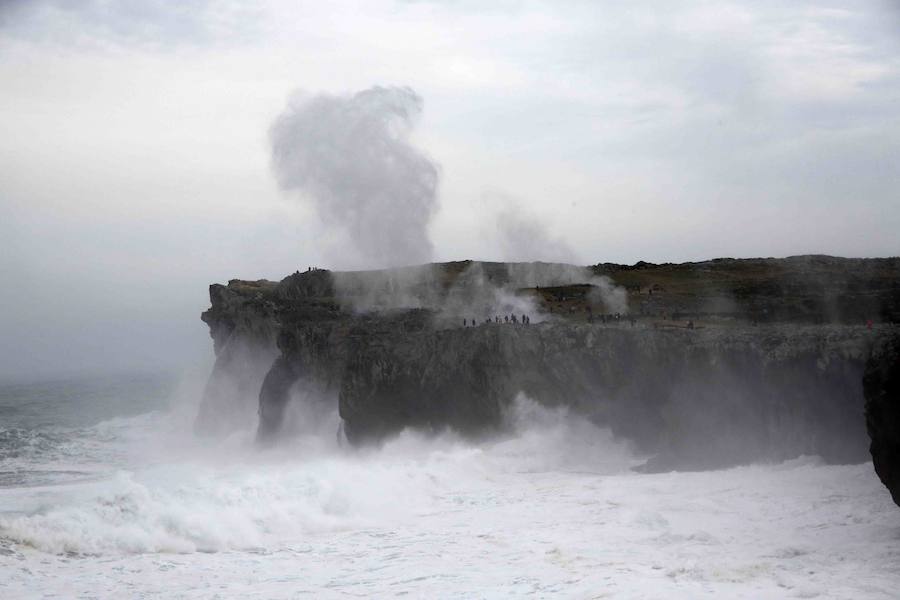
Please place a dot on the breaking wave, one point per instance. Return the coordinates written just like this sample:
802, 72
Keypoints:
184, 497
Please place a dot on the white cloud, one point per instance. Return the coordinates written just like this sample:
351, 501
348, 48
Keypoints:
135, 150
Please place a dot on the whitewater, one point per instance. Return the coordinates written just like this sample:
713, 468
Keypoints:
105, 492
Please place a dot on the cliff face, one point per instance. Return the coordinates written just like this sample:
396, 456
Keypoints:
723, 393
244, 326
882, 390
694, 398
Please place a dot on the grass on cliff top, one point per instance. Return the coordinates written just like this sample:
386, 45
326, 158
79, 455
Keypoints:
738, 277
263, 286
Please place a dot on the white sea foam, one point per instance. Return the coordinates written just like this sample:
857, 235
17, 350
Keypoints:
550, 510
182, 496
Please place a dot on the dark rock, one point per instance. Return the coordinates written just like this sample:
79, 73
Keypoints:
882, 391
243, 324
703, 398
696, 399
273, 397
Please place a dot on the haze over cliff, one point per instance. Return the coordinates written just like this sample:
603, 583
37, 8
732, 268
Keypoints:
699, 365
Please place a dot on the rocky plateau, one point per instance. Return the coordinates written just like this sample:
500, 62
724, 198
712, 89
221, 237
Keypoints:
698, 365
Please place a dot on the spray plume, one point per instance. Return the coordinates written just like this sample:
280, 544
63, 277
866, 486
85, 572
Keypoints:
523, 237
351, 156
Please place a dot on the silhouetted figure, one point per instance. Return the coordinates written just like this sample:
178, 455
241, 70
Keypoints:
506, 318
690, 325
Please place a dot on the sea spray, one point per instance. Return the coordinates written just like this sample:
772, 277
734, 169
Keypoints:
351, 156
238, 496
550, 507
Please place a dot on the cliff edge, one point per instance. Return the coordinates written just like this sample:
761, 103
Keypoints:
702, 365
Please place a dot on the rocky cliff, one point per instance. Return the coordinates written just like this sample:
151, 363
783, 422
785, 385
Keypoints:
693, 398
882, 390
700, 389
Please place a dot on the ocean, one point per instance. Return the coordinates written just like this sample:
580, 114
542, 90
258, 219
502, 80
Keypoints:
105, 492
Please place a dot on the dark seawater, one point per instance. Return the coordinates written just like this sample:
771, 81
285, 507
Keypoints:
52, 431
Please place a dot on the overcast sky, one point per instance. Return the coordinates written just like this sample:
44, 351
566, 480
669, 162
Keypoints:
135, 160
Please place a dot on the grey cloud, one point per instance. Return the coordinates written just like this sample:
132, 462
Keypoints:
158, 24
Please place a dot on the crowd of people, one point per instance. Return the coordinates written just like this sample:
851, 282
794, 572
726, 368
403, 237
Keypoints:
507, 319
526, 320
